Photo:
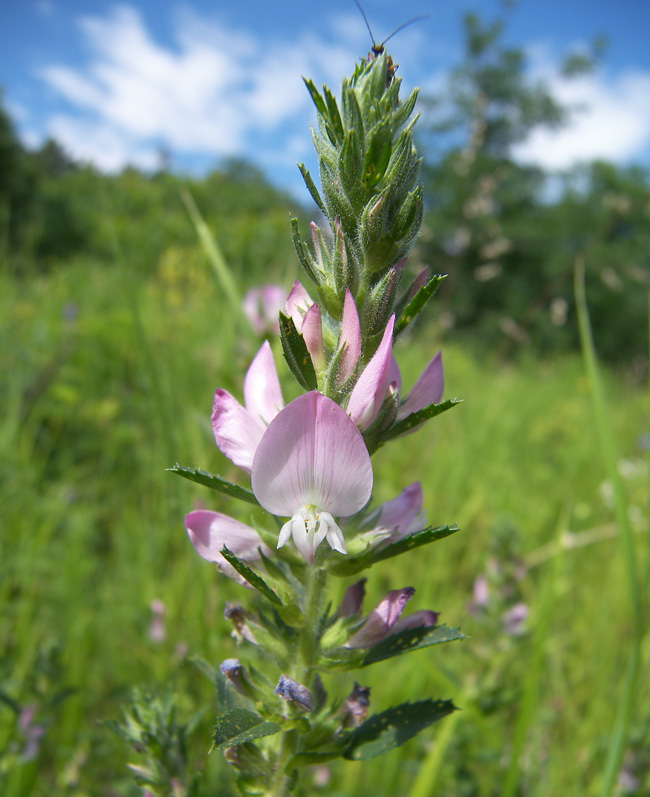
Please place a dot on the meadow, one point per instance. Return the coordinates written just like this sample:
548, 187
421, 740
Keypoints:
108, 379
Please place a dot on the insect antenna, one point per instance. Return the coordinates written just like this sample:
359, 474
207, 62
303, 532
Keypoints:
378, 49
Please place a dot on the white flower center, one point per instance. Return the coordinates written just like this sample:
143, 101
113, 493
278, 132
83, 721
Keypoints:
309, 527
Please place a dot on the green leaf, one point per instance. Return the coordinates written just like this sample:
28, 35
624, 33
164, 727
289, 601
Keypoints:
352, 565
311, 186
251, 576
318, 101
411, 639
296, 354
335, 123
416, 418
215, 483
390, 729
239, 726
377, 155
417, 303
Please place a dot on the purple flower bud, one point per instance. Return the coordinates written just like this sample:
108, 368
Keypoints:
381, 620
514, 619
353, 599
357, 704
290, 689
238, 617
233, 671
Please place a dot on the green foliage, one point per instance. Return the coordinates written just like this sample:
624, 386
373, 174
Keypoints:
215, 483
392, 728
240, 726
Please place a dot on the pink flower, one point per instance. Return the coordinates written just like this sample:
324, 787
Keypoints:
386, 619
210, 531
298, 303
427, 390
311, 465
238, 430
400, 517
262, 308
371, 389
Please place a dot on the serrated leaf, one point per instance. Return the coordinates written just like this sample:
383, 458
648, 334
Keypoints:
215, 483
296, 354
416, 418
411, 639
251, 576
239, 726
390, 729
417, 303
348, 567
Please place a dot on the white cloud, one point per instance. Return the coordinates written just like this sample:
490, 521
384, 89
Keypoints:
610, 121
213, 94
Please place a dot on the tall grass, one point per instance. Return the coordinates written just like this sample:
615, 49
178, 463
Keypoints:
108, 380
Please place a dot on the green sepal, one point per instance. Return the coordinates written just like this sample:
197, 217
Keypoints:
342, 659
296, 354
215, 483
416, 418
334, 117
306, 759
405, 109
239, 726
418, 302
311, 186
351, 168
390, 729
354, 565
318, 101
251, 576
305, 260
377, 155
411, 639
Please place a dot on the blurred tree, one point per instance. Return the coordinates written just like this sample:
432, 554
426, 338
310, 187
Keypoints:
507, 242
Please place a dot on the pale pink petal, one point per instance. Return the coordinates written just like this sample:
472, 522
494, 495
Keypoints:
422, 619
382, 619
210, 531
350, 338
427, 390
236, 431
262, 392
298, 302
272, 302
251, 306
369, 392
312, 454
312, 332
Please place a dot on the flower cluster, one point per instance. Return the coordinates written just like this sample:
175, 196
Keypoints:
309, 460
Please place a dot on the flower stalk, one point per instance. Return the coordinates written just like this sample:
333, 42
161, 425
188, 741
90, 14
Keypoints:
309, 461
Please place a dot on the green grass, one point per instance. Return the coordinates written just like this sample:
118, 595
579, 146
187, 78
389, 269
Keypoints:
95, 408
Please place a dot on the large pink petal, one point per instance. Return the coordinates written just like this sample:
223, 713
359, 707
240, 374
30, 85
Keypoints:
350, 338
312, 453
427, 390
262, 392
369, 392
236, 431
210, 531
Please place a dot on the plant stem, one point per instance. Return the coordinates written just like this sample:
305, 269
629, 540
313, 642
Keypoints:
306, 656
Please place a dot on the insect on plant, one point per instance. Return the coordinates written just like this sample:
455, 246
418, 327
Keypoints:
378, 49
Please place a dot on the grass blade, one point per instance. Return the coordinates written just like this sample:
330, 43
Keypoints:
606, 440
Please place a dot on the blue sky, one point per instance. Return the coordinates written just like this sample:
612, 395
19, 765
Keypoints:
113, 82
